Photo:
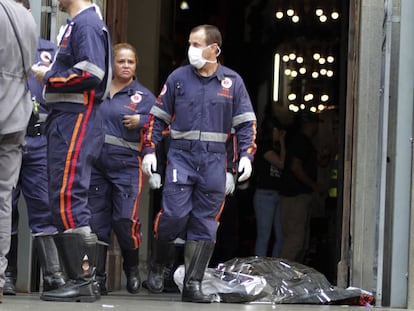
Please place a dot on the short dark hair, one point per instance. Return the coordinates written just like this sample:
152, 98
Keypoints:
213, 34
25, 3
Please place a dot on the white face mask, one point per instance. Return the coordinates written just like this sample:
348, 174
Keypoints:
195, 56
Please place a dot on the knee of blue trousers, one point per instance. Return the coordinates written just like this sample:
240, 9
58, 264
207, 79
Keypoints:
169, 228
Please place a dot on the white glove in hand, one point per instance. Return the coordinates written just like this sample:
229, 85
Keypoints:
245, 166
230, 184
149, 164
155, 181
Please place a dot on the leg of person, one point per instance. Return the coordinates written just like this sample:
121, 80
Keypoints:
47, 253
264, 210
295, 211
123, 170
34, 187
175, 260
208, 202
11, 270
171, 221
100, 263
10, 162
69, 171
100, 205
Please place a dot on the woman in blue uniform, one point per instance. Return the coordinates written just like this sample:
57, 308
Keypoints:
117, 179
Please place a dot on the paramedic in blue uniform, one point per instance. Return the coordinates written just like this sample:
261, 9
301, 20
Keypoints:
200, 102
117, 179
75, 86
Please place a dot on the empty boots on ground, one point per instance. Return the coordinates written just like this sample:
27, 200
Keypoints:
197, 255
78, 253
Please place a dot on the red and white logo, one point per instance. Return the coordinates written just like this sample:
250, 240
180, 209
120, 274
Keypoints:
226, 83
136, 98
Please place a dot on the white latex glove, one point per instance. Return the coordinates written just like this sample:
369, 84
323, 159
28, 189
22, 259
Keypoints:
155, 181
149, 164
245, 166
39, 71
230, 184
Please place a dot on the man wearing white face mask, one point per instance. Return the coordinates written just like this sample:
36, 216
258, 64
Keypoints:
201, 103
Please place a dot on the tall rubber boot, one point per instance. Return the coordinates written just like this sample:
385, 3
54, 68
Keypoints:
9, 287
161, 252
100, 277
47, 253
130, 265
197, 255
175, 261
78, 256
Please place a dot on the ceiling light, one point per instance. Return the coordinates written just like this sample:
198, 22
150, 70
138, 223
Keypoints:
319, 12
184, 5
279, 15
295, 19
302, 70
292, 96
323, 71
316, 56
324, 98
322, 60
288, 72
285, 58
292, 56
299, 59
315, 74
313, 109
330, 73
294, 74
290, 12
335, 15
323, 18
330, 59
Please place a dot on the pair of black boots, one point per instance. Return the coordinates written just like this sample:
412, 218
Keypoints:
130, 267
78, 254
49, 262
197, 255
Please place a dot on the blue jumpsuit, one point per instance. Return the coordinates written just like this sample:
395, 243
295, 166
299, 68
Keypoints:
75, 86
117, 180
201, 112
33, 174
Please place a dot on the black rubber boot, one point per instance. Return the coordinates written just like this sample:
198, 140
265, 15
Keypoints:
9, 287
49, 262
100, 277
161, 252
176, 260
197, 255
78, 257
130, 266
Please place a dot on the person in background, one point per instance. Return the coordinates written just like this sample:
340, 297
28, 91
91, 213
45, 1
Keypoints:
117, 180
75, 85
33, 185
20, 40
269, 164
200, 102
298, 183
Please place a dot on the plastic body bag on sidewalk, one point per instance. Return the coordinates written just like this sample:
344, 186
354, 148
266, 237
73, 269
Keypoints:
274, 281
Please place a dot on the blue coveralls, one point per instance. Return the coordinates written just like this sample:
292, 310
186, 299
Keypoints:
75, 86
33, 174
200, 112
117, 180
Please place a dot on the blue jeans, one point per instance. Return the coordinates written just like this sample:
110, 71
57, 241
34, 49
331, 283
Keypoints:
267, 208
